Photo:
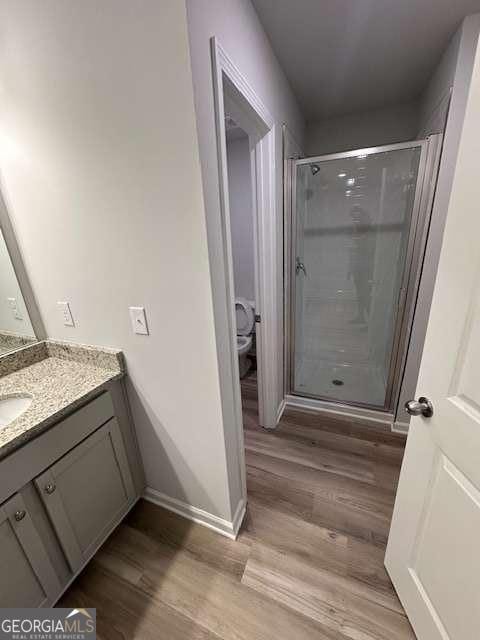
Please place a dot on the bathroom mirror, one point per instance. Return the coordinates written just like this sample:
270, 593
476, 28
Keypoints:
20, 323
15, 325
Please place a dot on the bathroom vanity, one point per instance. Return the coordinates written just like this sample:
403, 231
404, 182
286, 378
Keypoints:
69, 465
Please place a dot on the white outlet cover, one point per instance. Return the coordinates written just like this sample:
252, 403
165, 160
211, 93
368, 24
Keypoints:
138, 320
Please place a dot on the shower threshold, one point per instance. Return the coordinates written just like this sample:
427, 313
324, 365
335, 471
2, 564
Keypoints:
354, 411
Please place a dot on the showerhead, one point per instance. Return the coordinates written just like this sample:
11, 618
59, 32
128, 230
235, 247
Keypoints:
314, 168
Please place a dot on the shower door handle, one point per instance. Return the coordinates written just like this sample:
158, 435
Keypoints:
299, 266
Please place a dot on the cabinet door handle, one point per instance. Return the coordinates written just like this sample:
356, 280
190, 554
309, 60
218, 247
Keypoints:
50, 487
20, 514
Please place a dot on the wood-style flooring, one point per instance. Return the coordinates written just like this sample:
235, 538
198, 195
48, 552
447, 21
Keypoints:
308, 563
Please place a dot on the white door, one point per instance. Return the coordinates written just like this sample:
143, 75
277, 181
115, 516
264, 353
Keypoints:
433, 553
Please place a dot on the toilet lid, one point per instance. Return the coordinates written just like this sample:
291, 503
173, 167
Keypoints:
245, 317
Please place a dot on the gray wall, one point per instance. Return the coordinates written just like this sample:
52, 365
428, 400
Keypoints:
435, 98
455, 69
365, 129
101, 173
241, 216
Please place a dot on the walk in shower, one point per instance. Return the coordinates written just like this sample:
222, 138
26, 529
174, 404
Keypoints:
358, 229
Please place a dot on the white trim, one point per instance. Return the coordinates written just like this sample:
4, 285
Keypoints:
291, 149
250, 113
230, 85
281, 409
238, 517
357, 413
181, 508
400, 427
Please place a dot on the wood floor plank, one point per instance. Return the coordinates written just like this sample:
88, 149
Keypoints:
308, 562
286, 496
366, 565
292, 536
324, 550
343, 442
211, 599
365, 430
341, 504
345, 606
344, 514
164, 526
125, 612
338, 463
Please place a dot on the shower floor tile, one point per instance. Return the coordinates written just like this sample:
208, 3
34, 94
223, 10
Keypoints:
360, 383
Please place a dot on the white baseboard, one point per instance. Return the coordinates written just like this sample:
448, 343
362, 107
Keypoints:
239, 516
226, 528
281, 409
400, 427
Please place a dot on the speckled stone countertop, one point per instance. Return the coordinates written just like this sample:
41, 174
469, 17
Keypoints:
59, 377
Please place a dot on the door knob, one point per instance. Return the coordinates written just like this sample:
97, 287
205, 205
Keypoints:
299, 266
421, 407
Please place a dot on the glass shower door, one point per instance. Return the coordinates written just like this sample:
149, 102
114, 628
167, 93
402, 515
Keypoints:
354, 224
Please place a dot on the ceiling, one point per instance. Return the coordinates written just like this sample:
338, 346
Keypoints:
346, 56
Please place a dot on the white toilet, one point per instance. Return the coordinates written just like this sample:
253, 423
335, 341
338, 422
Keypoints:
245, 324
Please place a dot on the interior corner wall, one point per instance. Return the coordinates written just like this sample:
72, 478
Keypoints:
435, 99
102, 179
236, 26
365, 129
456, 72
241, 217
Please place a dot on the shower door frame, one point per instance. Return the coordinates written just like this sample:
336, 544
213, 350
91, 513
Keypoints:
420, 218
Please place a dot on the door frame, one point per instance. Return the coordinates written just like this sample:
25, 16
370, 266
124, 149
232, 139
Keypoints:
291, 151
231, 88
428, 168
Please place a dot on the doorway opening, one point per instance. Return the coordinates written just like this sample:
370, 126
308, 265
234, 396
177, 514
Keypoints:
241, 176
238, 104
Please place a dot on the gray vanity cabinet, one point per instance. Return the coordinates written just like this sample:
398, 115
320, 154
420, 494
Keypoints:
28, 577
87, 492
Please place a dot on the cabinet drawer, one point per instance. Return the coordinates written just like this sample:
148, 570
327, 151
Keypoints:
87, 492
27, 577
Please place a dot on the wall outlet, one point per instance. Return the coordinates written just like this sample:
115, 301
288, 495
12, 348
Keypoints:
138, 320
66, 314
12, 303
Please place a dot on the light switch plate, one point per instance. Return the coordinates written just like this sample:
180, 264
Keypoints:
138, 320
66, 314
12, 303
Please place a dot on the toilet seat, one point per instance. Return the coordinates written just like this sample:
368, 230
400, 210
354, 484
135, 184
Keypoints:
244, 316
244, 344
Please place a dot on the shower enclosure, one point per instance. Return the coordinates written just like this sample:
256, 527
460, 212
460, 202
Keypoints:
358, 230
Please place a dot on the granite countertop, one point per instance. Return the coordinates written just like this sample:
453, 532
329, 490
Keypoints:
59, 377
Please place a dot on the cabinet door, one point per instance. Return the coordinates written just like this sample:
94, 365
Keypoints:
27, 578
87, 492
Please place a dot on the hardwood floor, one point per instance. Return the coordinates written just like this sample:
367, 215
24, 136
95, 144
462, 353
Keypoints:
308, 562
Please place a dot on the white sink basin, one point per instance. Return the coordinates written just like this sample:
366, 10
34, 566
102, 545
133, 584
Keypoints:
13, 406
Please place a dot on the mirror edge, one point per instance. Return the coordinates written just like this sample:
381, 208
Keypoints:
18, 266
